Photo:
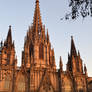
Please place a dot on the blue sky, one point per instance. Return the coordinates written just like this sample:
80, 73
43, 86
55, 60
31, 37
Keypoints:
19, 14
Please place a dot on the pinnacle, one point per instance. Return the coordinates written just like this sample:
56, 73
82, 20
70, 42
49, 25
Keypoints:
8, 41
71, 37
47, 36
9, 26
73, 49
37, 1
78, 53
60, 61
60, 64
37, 23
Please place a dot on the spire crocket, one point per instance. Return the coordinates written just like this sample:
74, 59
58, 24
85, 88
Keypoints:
37, 22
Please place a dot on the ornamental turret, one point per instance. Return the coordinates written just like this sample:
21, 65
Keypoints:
74, 64
85, 70
8, 50
61, 64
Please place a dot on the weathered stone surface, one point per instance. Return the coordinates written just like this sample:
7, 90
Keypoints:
38, 71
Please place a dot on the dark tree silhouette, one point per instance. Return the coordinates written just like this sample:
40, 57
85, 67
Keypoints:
79, 8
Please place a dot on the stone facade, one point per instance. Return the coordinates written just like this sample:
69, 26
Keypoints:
38, 71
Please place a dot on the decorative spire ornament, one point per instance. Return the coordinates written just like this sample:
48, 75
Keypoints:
61, 65
37, 22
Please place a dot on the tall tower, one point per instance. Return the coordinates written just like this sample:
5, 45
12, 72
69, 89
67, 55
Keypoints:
8, 50
8, 63
74, 64
38, 56
37, 47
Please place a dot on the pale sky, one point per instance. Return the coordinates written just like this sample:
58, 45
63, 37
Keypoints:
19, 14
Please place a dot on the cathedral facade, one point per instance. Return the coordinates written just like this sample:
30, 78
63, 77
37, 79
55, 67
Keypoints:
38, 72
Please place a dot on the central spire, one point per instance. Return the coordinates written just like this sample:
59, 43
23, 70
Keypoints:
37, 23
37, 1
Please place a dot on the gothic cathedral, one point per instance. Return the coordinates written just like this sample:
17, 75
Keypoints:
38, 71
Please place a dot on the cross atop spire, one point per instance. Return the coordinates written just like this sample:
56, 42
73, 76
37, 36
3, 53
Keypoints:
73, 49
37, 22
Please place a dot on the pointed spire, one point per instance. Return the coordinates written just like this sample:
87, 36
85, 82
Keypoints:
85, 69
47, 36
1, 44
37, 1
37, 23
68, 55
73, 49
9, 37
61, 64
78, 53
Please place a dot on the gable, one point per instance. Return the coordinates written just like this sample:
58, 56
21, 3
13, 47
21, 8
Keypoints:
21, 81
45, 85
66, 83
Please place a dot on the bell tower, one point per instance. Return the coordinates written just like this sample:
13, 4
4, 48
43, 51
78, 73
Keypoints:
8, 50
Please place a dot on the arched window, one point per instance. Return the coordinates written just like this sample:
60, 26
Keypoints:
41, 51
31, 49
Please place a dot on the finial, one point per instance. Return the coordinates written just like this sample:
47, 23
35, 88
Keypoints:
61, 63
85, 69
73, 48
60, 60
37, 1
9, 26
9, 36
78, 53
1, 43
71, 37
47, 36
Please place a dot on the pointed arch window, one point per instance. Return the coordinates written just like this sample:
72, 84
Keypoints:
31, 49
41, 51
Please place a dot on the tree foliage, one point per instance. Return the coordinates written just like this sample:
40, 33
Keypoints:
79, 8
